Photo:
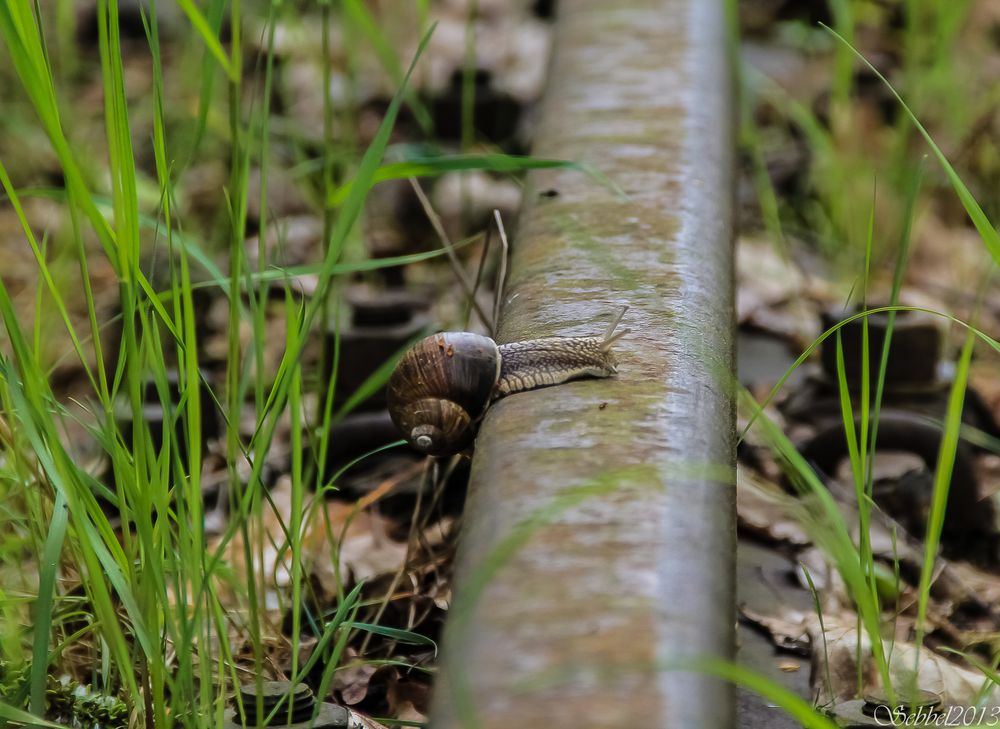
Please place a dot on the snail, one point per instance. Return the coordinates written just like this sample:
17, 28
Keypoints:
443, 385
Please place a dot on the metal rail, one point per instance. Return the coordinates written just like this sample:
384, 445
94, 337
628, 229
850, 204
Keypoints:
599, 540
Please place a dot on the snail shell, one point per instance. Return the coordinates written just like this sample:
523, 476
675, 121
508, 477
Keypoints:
440, 389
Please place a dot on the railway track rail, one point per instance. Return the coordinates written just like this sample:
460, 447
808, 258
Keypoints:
599, 537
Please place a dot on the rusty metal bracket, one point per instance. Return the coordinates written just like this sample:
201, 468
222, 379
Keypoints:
598, 551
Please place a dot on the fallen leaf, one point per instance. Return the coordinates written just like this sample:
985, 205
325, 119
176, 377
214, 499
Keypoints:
787, 632
763, 510
352, 682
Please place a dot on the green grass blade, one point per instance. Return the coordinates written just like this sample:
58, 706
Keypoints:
287, 274
9, 713
211, 40
775, 693
435, 166
942, 482
47, 578
403, 636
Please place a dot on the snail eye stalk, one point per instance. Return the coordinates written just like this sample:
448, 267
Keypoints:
610, 337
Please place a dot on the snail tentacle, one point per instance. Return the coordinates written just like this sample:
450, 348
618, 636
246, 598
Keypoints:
610, 337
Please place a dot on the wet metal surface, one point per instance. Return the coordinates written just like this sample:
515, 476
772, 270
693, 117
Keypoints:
599, 536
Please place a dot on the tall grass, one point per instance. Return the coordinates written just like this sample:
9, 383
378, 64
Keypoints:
860, 410
842, 139
154, 587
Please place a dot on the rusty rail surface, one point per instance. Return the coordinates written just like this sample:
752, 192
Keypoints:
598, 549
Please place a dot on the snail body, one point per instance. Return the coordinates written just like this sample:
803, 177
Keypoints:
551, 361
444, 384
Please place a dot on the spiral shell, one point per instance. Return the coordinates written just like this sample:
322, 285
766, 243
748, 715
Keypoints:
440, 389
